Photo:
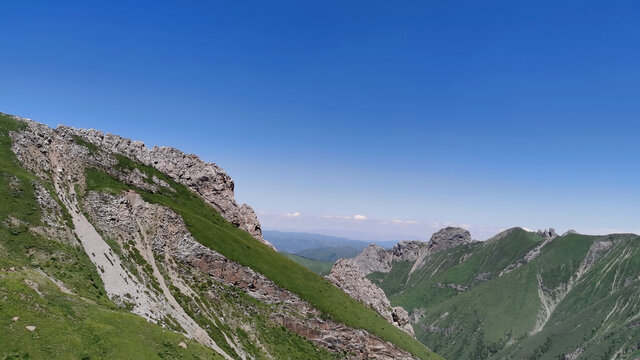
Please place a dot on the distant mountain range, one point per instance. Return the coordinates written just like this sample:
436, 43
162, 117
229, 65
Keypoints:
319, 247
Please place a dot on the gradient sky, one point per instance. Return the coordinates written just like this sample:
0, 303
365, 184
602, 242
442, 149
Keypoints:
412, 115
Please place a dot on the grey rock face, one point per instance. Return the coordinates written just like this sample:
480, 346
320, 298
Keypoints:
443, 239
347, 276
448, 238
416, 315
39, 146
373, 259
548, 234
407, 250
207, 179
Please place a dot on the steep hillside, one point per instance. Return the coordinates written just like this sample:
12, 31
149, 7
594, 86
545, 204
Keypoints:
524, 295
148, 248
318, 267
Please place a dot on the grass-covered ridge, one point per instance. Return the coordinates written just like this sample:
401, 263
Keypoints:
210, 229
498, 316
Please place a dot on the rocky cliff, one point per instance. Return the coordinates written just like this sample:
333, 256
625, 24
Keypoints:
443, 239
348, 276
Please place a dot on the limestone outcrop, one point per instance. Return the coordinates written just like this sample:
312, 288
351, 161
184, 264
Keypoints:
373, 259
444, 239
40, 145
548, 234
348, 276
448, 238
407, 250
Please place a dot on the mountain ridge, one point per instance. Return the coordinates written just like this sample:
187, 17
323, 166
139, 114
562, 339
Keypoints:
173, 247
524, 295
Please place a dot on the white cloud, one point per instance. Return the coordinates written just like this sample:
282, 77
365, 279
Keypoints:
292, 215
404, 222
338, 217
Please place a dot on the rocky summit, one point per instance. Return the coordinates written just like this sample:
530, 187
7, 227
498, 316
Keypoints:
444, 239
448, 238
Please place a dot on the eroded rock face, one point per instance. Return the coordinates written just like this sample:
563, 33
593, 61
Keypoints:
207, 179
407, 250
416, 315
373, 259
40, 146
448, 238
441, 240
548, 234
347, 276
167, 237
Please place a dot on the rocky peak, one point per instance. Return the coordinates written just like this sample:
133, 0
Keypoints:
548, 234
441, 240
407, 250
373, 259
34, 146
448, 238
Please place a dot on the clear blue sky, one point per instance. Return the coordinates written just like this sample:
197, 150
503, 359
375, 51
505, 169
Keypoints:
412, 114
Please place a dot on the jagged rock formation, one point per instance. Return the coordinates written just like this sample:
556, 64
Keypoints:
407, 250
348, 276
148, 260
441, 240
548, 234
448, 238
373, 259
207, 179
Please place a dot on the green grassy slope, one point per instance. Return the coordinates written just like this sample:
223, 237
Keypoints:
82, 325
70, 327
420, 289
210, 229
600, 313
318, 267
495, 316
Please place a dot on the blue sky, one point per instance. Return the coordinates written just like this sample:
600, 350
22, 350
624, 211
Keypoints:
411, 114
